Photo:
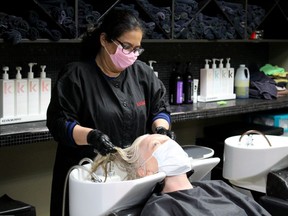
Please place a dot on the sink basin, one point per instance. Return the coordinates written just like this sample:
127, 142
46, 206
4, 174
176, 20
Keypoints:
87, 198
250, 157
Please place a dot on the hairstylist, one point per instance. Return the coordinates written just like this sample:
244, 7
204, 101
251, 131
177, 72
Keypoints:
107, 100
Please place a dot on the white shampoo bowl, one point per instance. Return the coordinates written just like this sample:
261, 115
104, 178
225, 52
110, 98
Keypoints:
249, 158
87, 198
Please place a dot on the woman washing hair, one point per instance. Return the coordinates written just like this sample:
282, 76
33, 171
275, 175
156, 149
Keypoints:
106, 100
153, 153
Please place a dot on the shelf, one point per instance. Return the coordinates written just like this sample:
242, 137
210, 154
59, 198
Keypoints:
213, 41
32, 132
163, 20
75, 41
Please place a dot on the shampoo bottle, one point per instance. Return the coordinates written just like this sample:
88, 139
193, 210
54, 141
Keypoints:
206, 81
188, 85
7, 95
224, 75
176, 88
21, 94
216, 78
242, 80
45, 90
230, 78
33, 92
195, 90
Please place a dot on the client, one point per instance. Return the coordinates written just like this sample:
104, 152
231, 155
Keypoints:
158, 153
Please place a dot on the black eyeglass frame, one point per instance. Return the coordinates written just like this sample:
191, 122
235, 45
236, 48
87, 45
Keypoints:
137, 50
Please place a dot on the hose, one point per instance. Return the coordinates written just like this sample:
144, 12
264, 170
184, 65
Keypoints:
94, 178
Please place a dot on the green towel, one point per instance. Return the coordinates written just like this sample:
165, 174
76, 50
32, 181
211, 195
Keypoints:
269, 69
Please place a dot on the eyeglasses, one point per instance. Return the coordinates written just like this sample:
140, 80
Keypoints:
127, 48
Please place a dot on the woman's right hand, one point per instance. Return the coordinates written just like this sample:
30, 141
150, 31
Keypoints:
100, 142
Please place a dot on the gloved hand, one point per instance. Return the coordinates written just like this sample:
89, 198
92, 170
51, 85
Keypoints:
169, 133
101, 142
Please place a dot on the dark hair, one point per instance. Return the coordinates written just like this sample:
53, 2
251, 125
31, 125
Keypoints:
115, 23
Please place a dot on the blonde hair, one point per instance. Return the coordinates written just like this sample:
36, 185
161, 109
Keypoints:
127, 159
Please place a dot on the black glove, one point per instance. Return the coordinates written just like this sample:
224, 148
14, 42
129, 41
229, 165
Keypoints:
169, 133
101, 142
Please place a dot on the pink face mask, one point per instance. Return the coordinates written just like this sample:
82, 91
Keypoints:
122, 60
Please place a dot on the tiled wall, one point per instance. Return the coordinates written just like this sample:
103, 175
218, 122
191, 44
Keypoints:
167, 54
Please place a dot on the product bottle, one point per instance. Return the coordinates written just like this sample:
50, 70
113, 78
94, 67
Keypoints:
21, 94
151, 66
195, 90
176, 88
216, 78
242, 79
7, 95
188, 85
206, 81
45, 90
224, 75
33, 92
230, 77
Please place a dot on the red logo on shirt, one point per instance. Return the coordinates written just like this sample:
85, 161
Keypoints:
141, 103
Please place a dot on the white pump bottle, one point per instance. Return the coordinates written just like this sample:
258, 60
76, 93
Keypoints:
33, 92
206, 81
21, 94
7, 95
45, 90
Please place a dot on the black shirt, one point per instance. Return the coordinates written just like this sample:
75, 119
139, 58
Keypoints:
122, 107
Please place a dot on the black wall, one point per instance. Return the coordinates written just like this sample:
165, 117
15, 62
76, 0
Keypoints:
167, 55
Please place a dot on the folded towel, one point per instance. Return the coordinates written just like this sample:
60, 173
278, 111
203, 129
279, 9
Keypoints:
12, 36
269, 69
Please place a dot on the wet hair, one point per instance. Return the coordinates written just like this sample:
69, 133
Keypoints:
127, 160
114, 24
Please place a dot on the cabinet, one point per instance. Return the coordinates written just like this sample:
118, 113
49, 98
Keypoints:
174, 19
218, 19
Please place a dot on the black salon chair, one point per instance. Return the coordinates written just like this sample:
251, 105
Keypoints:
9, 206
276, 199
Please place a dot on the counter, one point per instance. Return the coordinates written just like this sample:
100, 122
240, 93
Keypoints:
203, 110
31, 132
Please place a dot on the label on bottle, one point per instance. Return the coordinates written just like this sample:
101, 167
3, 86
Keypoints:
179, 92
33, 96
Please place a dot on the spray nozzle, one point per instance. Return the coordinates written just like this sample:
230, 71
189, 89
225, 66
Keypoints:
43, 73
43, 67
5, 75
31, 64
227, 62
18, 75
5, 69
30, 73
151, 62
207, 63
221, 63
214, 62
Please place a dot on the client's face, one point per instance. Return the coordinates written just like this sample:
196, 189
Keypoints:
147, 146
160, 153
